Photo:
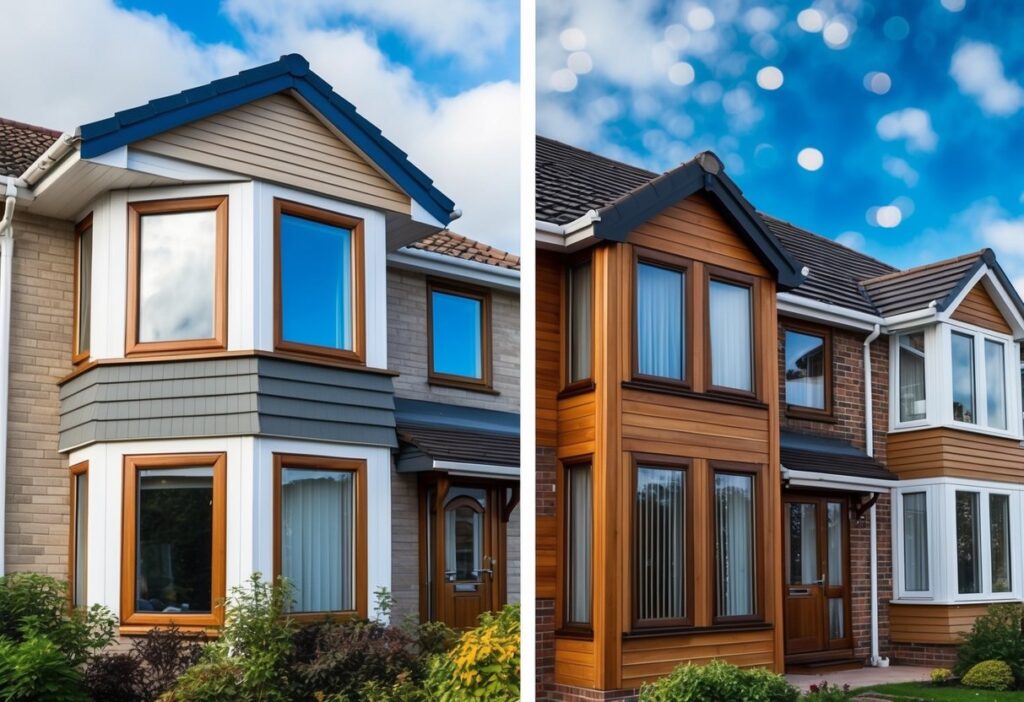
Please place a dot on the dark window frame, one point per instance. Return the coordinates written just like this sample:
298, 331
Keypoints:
568, 384
682, 265
758, 472
567, 627
735, 278
825, 333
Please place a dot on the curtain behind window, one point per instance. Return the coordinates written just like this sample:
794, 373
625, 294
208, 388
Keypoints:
734, 537
912, 388
915, 541
580, 298
659, 321
731, 327
579, 524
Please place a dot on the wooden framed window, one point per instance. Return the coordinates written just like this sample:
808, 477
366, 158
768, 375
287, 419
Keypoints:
662, 318
82, 310
737, 509
579, 321
78, 539
732, 330
662, 530
173, 545
458, 336
577, 487
808, 370
320, 541
177, 276
319, 287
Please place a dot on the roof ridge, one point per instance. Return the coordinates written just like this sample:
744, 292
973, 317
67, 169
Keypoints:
830, 241
33, 127
925, 266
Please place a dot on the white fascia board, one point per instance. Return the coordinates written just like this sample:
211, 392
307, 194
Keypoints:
814, 310
832, 481
419, 214
569, 236
455, 268
995, 289
478, 469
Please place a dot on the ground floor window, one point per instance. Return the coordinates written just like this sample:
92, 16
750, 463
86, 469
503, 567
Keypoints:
736, 547
578, 525
659, 546
79, 543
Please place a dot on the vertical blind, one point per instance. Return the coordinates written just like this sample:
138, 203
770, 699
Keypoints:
660, 328
580, 318
915, 541
911, 374
659, 544
318, 538
731, 327
579, 508
734, 544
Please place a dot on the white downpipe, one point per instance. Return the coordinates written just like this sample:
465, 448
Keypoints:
6, 256
869, 443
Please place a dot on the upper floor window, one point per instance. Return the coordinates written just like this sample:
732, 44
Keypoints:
318, 281
177, 275
808, 369
661, 320
83, 290
910, 362
978, 368
579, 325
730, 319
459, 345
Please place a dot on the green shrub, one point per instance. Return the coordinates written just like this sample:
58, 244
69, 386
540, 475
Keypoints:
484, 665
33, 606
150, 668
996, 635
36, 669
217, 680
941, 676
719, 682
989, 675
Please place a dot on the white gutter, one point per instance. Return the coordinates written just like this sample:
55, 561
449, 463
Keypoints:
796, 304
6, 256
828, 481
869, 442
64, 145
452, 267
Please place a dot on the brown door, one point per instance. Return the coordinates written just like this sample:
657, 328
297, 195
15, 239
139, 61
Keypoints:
817, 601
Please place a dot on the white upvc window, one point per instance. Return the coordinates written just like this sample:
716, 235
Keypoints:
957, 541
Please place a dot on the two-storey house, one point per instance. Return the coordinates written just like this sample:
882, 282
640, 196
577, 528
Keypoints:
195, 314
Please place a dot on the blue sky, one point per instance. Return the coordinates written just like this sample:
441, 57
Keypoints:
444, 86
915, 109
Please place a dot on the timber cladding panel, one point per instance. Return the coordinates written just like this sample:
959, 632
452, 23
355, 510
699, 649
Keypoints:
932, 624
941, 451
279, 140
646, 659
549, 346
979, 309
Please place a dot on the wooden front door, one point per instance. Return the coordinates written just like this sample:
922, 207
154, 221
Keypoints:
817, 592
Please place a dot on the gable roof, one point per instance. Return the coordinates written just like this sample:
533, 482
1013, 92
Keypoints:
290, 72
458, 246
915, 288
21, 144
571, 182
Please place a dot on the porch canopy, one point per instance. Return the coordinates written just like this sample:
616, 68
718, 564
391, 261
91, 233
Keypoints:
817, 461
462, 441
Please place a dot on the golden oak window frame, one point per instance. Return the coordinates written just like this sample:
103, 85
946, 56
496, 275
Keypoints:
825, 334
575, 263
357, 278
735, 278
566, 627
133, 466
75, 564
136, 211
358, 468
678, 264
758, 525
80, 353
483, 296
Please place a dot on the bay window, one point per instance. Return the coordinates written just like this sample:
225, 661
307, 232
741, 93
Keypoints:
660, 574
736, 543
962, 353
580, 292
911, 371
578, 524
1000, 542
915, 542
731, 329
661, 321
968, 548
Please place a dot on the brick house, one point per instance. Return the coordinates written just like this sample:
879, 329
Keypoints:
880, 444
237, 336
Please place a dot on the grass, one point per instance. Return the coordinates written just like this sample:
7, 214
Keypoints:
904, 692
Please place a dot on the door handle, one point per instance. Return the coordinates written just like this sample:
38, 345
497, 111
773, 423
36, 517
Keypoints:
489, 571
819, 581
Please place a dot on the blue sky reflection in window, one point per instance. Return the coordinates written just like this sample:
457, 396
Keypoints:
457, 335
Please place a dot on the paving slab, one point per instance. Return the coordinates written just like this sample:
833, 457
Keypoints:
862, 677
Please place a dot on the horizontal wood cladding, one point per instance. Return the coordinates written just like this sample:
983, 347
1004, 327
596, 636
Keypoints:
277, 139
549, 346
576, 425
979, 309
646, 659
941, 451
932, 624
575, 662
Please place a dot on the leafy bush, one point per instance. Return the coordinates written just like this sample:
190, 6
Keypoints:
989, 675
941, 676
217, 680
434, 638
824, 692
719, 682
484, 664
996, 635
36, 669
150, 668
34, 606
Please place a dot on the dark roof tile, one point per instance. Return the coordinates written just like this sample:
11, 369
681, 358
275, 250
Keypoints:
915, 288
21, 144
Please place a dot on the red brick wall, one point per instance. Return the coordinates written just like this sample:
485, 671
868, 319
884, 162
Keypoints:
567, 693
546, 467
933, 656
860, 578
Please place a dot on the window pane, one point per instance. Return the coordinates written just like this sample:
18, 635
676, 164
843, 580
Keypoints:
659, 529
458, 339
731, 353
968, 561
995, 384
660, 327
84, 290
963, 378
836, 616
805, 370
174, 540
316, 283
318, 525
803, 543
177, 255
999, 520
580, 299
836, 545
915, 541
579, 515
81, 537
464, 533
912, 383
734, 544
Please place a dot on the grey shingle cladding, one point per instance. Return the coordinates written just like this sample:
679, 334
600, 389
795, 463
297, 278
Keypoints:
245, 396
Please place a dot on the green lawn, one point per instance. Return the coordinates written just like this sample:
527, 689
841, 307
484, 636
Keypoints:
904, 692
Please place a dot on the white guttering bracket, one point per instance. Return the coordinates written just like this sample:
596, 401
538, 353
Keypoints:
458, 268
64, 145
6, 257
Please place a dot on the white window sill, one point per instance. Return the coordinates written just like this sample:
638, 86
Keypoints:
959, 426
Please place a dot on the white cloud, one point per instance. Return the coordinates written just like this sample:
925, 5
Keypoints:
985, 223
911, 124
978, 72
898, 168
852, 240
467, 142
